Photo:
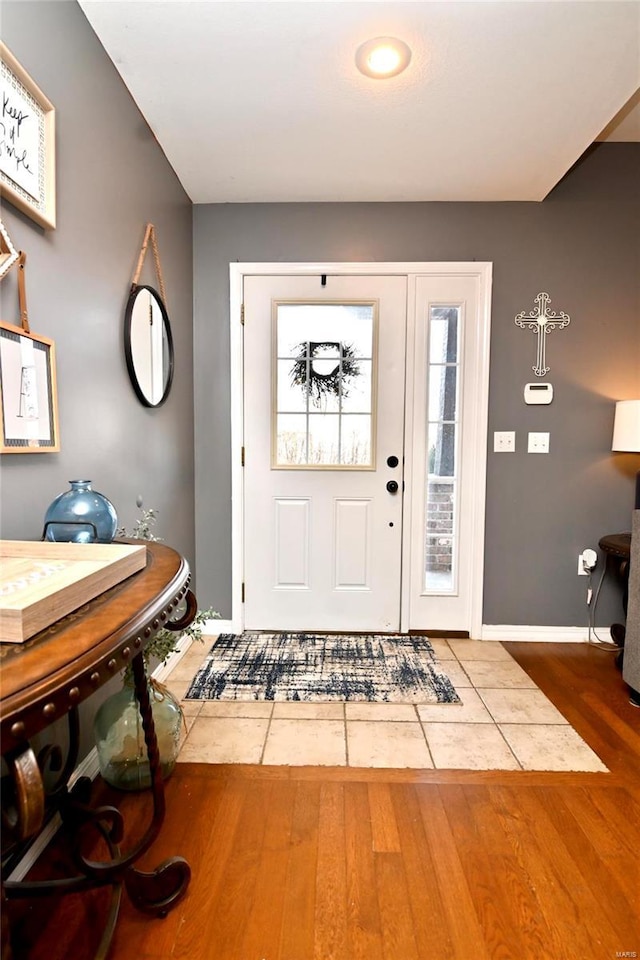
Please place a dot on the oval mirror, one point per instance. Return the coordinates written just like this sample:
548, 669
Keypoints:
148, 345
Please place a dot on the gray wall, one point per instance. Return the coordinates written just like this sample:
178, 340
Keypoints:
112, 179
581, 246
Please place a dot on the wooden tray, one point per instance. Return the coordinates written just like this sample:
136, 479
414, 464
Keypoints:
42, 582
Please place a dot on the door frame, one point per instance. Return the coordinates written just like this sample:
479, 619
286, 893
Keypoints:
482, 270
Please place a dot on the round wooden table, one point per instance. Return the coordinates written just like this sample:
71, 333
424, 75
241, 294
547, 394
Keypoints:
46, 678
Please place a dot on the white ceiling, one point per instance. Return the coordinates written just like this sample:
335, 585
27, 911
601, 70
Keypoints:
261, 101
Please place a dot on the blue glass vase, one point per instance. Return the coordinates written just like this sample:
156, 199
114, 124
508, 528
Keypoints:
81, 515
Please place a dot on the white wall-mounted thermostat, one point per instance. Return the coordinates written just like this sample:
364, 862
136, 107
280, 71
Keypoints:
538, 393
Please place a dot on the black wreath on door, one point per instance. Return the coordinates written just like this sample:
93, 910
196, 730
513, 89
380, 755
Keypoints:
318, 386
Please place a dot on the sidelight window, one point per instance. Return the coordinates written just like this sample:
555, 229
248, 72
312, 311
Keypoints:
442, 486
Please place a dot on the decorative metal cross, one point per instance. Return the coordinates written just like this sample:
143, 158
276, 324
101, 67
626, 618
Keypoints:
542, 322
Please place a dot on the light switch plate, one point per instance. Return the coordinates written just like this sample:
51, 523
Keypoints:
504, 441
538, 443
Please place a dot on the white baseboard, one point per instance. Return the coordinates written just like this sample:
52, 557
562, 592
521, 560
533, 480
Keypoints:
535, 634
501, 631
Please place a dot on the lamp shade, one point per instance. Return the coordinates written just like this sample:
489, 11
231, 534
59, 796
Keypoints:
626, 427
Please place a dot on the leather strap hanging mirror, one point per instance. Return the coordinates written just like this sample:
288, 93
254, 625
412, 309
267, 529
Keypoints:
148, 343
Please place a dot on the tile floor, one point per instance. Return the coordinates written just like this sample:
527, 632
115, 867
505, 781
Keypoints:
503, 723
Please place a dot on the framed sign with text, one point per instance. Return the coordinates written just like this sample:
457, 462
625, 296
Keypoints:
27, 143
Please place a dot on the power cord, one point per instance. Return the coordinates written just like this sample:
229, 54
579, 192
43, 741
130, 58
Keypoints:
598, 642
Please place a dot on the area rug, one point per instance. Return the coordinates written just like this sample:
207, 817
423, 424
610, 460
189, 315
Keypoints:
322, 667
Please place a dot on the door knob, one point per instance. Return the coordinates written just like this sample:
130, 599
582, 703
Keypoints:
392, 486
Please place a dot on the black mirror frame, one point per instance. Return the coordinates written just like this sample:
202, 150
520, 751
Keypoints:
135, 289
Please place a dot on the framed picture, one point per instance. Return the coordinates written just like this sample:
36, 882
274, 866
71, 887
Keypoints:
28, 392
8, 253
27, 143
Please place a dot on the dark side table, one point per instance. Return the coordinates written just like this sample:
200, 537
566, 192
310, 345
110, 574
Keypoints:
617, 552
46, 678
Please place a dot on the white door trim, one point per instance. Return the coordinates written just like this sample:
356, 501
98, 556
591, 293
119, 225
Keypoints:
237, 273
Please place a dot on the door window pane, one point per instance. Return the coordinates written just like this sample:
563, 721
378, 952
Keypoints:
442, 391
324, 367
441, 494
355, 440
442, 449
292, 438
290, 398
324, 439
356, 398
439, 535
443, 334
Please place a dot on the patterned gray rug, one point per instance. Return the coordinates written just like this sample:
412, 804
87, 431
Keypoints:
321, 667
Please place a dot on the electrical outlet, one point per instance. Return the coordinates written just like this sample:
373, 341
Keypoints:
587, 561
538, 443
504, 441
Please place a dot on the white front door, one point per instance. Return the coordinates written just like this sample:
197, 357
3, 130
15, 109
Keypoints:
324, 396
377, 376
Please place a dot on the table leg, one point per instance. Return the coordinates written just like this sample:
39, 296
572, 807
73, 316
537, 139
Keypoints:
154, 892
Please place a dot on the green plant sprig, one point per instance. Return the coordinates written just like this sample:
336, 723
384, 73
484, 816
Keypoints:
142, 527
165, 641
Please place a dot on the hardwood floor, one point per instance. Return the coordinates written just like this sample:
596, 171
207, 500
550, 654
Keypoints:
355, 864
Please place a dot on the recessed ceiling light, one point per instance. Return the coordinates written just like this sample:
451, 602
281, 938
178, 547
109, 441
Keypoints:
383, 57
